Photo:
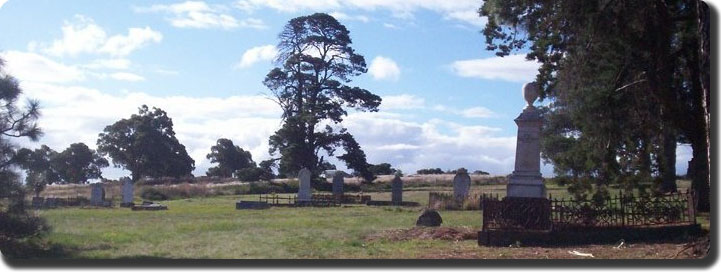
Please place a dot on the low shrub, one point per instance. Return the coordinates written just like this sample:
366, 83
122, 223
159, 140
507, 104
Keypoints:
152, 193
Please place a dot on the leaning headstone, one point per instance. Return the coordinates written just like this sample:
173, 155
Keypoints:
338, 180
461, 186
97, 195
304, 194
429, 218
526, 179
397, 190
127, 193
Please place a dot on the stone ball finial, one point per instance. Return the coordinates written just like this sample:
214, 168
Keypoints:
530, 93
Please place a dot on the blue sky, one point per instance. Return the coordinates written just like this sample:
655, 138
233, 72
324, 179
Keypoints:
447, 102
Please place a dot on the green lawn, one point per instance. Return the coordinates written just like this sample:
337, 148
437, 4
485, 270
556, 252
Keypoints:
213, 228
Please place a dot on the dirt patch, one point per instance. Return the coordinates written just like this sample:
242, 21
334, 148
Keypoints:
631, 251
426, 233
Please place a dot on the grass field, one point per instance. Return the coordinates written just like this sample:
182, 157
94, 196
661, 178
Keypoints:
212, 228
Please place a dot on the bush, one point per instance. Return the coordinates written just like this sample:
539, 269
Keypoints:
151, 193
252, 174
430, 171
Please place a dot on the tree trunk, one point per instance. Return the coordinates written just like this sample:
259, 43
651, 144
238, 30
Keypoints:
668, 161
699, 182
702, 180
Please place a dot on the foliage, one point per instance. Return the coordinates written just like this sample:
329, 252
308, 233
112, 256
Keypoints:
382, 169
78, 163
230, 158
18, 228
317, 61
145, 144
253, 174
622, 77
430, 171
480, 172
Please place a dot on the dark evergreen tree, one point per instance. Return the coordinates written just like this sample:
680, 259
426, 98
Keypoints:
19, 230
316, 62
229, 157
145, 144
78, 163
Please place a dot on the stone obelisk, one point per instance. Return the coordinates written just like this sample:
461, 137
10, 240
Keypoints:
526, 180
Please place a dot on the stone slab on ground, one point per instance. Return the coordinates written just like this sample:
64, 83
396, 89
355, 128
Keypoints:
252, 205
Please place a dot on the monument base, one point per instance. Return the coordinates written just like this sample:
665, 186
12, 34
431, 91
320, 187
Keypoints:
526, 186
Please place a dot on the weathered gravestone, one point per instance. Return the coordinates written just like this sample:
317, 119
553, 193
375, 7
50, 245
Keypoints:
127, 192
97, 194
461, 186
429, 218
526, 179
397, 190
304, 194
338, 180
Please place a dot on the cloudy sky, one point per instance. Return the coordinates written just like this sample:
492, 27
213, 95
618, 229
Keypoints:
447, 102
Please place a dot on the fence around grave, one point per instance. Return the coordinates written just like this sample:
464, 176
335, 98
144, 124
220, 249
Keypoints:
317, 200
622, 211
277, 200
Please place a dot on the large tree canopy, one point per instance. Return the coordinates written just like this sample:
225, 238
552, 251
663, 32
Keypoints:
78, 163
229, 158
145, 144
317, 61
626, 81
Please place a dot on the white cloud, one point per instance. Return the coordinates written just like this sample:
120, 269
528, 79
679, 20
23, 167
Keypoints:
2, 3
461, 10
478, 112
383, 68
35, 68
433, 143
109, 64
403, 101
79, 36
31, 67
122, 45
77, 114
125, 76
346, 17
257, 54
391, 26
82, 35
198, 14
514, 68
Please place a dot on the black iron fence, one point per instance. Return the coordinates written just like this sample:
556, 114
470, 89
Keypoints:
618, 211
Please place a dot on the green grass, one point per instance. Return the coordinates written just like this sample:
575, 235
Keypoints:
212, 228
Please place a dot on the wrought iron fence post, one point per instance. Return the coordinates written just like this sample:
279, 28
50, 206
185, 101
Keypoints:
623, 210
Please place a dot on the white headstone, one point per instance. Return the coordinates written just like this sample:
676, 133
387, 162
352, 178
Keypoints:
304, 185
127, 191
526, 179
397, 190
461, 186
97, 194
338, 180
